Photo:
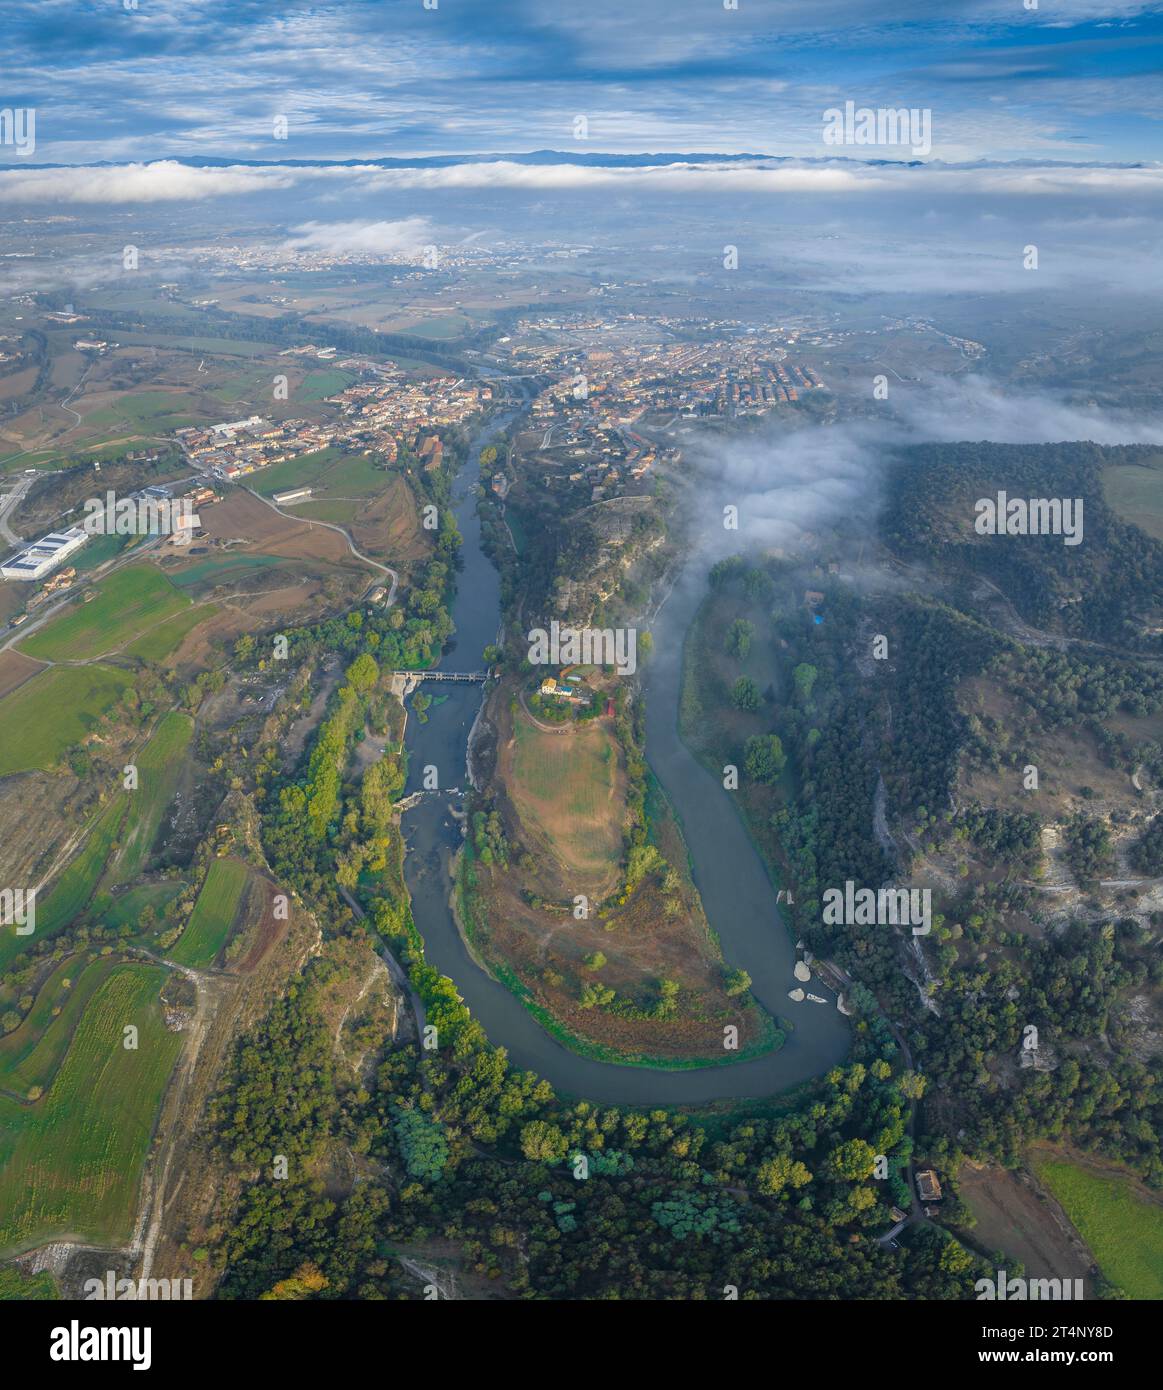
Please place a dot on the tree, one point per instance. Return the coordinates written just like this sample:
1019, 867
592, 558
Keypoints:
764, 758
782, 1171
804, 677
542, 1142
745, 694
308, 1279
912, 1085
852, 1161
739, 636
422, 1144
363, 673
737, 982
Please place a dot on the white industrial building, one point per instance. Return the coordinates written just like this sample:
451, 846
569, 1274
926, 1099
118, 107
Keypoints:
36, 560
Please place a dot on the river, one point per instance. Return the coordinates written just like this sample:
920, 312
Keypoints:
737, 893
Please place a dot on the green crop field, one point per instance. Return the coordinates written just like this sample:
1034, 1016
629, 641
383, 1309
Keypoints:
71, 890
159, 765
318, 385
1135, 492
31, 1054
160, 411
224, 567
97, 550
1123, 1229
128, 604
16, 1286
357, 476
127, 907
225, 347
213, 914
296, 472
52, 711
130, 820
163, 640
71, 1162
337, 513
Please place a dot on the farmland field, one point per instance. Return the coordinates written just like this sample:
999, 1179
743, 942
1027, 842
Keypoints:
338, 513
318, 385
128, 906
159, 765
71, 1162
1013, 1218
1123, 1227
161, 641
131, 819
31, 1054
330, 472
15, 670
97, 550
72, 889
213, 914
127, 605
305, 470
564, 787
224, 567
1135, 492
54, 710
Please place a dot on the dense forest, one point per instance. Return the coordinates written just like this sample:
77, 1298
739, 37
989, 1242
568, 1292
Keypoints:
1108, 588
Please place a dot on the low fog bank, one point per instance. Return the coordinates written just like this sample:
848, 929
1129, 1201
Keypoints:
787, 485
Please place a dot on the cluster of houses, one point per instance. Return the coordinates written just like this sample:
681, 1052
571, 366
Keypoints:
238, 447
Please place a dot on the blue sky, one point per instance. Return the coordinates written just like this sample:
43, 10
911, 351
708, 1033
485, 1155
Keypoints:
1072, 80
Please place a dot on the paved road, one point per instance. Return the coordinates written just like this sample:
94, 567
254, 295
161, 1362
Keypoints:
9, 504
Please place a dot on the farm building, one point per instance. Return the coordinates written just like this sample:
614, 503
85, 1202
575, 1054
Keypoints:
928, 1188
299, 494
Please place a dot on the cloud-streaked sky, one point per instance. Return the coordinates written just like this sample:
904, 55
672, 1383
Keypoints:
1075, 80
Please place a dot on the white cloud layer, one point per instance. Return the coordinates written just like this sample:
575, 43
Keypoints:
169, 181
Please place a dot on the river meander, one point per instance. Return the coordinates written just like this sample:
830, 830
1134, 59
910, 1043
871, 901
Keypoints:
737, 893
